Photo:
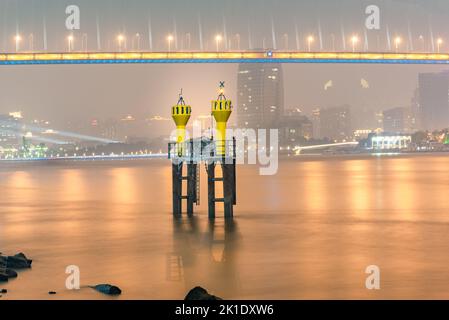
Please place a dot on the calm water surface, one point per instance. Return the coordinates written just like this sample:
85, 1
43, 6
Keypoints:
308, 232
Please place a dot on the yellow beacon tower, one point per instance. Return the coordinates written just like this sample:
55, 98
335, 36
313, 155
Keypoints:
221, 110
181, 114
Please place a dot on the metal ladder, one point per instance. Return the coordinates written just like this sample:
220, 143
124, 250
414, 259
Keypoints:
198, 186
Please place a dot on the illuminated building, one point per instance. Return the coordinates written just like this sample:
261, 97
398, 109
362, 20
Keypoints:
360, 134
398, 120
336, 123
387, 141
364, 117
31, 151
260, 96
295, 128
9, 137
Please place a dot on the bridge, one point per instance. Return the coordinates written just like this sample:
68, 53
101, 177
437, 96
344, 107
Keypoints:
40, 58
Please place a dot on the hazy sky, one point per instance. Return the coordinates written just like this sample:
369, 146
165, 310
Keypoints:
250, 18
60, 92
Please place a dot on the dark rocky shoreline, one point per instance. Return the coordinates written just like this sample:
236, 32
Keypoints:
9, 265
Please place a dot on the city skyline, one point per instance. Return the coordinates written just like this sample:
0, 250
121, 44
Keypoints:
103, 92
61, 92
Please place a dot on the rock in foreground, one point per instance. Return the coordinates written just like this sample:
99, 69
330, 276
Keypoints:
7, 274
199, 293
108, 289
8, 265
18, 261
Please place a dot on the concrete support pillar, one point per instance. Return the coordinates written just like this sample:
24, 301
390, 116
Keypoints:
211, 189
177, 188
228, 189
191, 186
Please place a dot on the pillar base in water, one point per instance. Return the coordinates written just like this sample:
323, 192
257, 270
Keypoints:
177, 187
229, 188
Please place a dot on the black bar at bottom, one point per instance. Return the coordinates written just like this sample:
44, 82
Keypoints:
117, 309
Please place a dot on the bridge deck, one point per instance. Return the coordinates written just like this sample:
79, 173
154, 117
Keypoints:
220, 57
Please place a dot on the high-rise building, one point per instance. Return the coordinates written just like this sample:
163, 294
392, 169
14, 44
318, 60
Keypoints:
315, 118
415, 110
260, 95
434, 100
364, 118
9, 131
295, 128
398, 120
336, 123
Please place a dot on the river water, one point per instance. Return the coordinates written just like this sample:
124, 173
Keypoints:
308, 232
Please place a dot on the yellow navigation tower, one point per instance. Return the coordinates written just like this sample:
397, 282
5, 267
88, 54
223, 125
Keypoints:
212, 152
221, 110
181, 114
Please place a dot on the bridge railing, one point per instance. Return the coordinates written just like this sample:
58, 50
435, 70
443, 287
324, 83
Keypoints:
148, 57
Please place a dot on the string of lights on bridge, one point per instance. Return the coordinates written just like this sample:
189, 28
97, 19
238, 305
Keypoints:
309, 42
312, 53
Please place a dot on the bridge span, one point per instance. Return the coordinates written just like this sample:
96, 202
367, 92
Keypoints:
41, 58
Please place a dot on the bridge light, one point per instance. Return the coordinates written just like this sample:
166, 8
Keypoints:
120, 38
310, 40
397, 42
354, 41
439, 43
70, 39
218, 39
170, 38
421, 39
137, 38
17, 40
